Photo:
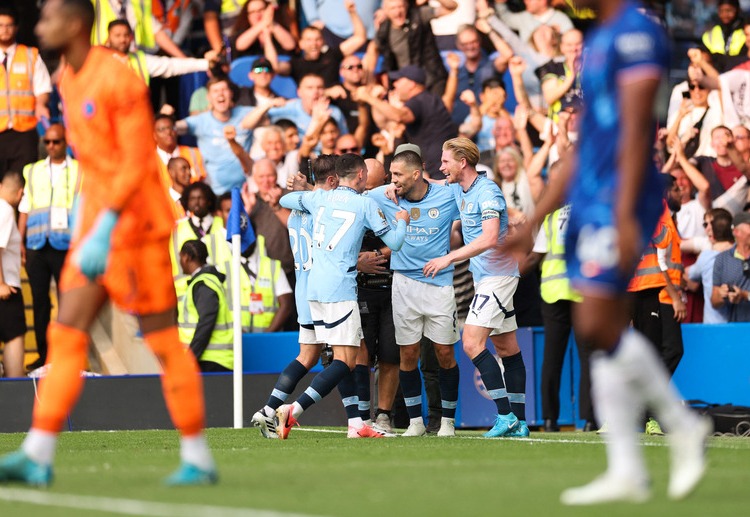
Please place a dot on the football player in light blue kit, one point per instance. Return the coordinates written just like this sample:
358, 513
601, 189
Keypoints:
484, 224
340, 218
616, 203
300, 226
423, 305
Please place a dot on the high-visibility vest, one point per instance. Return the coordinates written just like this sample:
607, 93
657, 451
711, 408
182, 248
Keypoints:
42, 197
674, 260
231, 7
17, 100
194, 158
648, 274
182, 233
555, 285
220, 256
713, 39
143, 30
220, 347
137, 61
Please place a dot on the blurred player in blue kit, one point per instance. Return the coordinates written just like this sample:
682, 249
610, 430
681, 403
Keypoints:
616, 202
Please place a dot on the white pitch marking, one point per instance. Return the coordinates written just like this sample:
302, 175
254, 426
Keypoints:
132, 506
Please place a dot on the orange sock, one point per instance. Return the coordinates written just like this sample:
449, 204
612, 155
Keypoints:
60, 389
181, 381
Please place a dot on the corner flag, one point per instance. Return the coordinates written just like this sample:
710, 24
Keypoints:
238, 222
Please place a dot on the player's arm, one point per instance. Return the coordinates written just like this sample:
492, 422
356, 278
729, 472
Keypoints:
297, 201
638, 88
377, 223
488, 239
207, 305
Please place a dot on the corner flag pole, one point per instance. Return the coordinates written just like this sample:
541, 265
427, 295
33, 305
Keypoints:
237, 330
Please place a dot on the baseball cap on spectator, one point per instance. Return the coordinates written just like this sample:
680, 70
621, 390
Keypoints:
742, 217
408, 147
262, 62
413, 72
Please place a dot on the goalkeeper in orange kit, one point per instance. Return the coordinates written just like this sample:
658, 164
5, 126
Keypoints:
120, 249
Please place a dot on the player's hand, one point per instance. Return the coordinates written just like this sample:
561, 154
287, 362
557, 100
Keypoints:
371, 263
435, 266
390, 193
403, 215
6, 290
93, 253
298, 182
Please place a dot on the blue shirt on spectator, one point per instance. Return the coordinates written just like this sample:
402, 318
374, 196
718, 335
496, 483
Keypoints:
222, 166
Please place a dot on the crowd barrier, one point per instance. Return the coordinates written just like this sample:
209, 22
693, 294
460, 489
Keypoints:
715, 368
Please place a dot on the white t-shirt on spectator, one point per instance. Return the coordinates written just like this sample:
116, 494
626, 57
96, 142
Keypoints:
10, 242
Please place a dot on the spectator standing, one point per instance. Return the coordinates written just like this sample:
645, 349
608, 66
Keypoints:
405, 38
726, 41
150, 34
701, 274
428, 121
120, 38
731, 282
179, 177
695, 121
167, 148
537, 12
12, 311
315, 57
45, 222
24, 92
257, 27
224, 170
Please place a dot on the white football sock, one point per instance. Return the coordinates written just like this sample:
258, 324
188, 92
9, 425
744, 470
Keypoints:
40, 446
194, 450
356, 423
618, 405
652, 381
297, 410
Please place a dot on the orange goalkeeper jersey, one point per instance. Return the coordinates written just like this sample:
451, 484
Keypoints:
110, 127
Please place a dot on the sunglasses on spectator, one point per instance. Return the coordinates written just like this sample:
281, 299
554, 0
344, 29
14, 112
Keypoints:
694, 86
52, 141
262, 69
352, 67
352, 150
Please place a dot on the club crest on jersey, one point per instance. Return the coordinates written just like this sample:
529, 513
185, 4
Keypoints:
88, 108
469, 207
433, 213
415, 213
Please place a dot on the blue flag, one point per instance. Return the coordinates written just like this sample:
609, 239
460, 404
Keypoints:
239, 222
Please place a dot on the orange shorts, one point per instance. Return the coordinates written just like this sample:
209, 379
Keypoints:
138, 279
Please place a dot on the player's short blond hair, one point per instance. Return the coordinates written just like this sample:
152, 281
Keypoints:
463, 148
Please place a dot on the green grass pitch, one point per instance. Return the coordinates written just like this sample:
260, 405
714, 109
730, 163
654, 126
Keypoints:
320, 472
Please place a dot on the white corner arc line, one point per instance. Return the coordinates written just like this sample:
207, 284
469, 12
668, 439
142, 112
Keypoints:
132, 506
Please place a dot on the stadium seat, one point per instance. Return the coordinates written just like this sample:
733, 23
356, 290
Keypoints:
282, 85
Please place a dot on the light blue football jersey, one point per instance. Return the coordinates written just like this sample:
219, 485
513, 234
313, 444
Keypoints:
340, 218
300, 225
484, 200
427, 235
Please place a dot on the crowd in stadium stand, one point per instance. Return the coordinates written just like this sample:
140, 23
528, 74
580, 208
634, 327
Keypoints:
248, 93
